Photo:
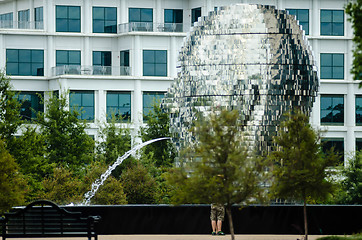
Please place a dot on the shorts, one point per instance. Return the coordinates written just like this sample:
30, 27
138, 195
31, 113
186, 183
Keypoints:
217, 212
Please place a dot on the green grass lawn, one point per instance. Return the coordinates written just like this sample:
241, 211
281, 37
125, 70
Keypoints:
353, 237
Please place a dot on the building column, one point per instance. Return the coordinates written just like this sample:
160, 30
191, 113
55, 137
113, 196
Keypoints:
173, 58
315, 28
137, 108
158, 12
87, 53
123, 12
31, 14
49, 58
350, 107
87, 8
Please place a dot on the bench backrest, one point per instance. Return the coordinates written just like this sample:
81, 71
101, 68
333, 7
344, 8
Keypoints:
45, 217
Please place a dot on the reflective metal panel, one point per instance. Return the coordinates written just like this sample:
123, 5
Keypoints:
252, 58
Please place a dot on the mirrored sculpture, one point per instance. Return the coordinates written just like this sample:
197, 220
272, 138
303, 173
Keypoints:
252, 58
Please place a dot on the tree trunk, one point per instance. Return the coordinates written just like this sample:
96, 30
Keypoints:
305, 220
230, 218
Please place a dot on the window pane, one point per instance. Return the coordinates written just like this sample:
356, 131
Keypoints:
37, 56
148, 69
338, 29
326, 59
12, 68
168, 15
338, 16
326, 28
74, 25
88, 99
326, 72
338, 73
24, 56
134, 15
98, 26
161, 70
61, 57
25, 69
160, 56
326, 16
74, 12
75, 99
338, 60
303, 15
148, 56
112, 99
146, 15
74, 58
111, 13
62, 25
61, 12
37, 69
98, 13
12, 55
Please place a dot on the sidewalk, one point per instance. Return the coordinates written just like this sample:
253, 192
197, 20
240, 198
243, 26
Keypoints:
204, 237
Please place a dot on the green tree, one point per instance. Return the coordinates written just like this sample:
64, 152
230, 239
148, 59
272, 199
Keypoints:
62, 187
354, 10
352, 181
67, 142
10, 120
12, 183
158, 125
138, 184
114, 142
300, 170
111, 192
219, 168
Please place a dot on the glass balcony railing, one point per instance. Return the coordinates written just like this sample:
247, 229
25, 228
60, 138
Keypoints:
90, 70
150, 27
21, 24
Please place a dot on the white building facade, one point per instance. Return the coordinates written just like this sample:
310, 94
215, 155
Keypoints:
116, 56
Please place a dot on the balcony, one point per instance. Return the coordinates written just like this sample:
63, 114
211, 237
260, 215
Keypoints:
90, 70
21, 24
149, 27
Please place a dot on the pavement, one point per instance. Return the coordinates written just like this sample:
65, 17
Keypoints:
192, 237
205, 237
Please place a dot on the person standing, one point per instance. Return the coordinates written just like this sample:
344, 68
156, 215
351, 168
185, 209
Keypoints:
217, 217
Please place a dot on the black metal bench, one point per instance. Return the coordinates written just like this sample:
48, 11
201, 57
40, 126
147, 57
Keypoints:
45, 219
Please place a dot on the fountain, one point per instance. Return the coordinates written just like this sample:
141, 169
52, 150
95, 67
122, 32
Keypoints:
99, 182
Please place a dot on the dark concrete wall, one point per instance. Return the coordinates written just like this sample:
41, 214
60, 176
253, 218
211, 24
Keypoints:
194, 219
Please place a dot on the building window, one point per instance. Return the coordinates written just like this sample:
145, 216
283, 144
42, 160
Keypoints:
141, 15
337, 144
332, 22
83, 103
332, 66
67, 18
38, 18
119, 106
359, 110
104, 20
358, 144
23, 19
67, 57
124, 62
149, 100
31, 104
332, 109
195, 14
303, 18
6, 20
173, 20
102, 62
155, 63
24, 62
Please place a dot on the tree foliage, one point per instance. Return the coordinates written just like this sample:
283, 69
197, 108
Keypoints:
352, 182
67, 142
138, 184
12, 183
218, 168
158, 125
354, 10
300, 170
111, 192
